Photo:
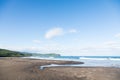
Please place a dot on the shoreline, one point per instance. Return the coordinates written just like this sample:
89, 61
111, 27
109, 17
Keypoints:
79, 63
28, 69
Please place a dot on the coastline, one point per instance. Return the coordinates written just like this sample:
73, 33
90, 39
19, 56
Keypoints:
28, 69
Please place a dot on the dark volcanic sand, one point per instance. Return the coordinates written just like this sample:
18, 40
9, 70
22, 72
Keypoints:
28, 69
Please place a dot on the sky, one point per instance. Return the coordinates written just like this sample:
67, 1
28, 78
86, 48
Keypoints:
66, 27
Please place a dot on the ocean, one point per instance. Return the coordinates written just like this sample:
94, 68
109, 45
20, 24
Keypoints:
89, 61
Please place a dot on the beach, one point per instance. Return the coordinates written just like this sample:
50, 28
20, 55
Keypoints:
14, 68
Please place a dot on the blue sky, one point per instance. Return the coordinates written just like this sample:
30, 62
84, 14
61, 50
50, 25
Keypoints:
68, 27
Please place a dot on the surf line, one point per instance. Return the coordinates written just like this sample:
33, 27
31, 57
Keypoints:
57, 65
73, 65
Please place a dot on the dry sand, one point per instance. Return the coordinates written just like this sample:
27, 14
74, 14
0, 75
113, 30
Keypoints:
28, 69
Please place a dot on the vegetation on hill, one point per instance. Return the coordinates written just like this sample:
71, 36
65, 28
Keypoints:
9, 53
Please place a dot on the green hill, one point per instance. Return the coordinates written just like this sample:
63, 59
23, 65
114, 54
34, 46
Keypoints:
9, 53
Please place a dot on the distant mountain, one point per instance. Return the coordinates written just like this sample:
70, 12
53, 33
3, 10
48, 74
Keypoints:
46, 55
9, 53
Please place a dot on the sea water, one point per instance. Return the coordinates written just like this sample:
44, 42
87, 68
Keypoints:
89, 61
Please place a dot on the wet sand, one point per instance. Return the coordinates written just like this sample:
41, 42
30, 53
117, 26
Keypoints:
28, 69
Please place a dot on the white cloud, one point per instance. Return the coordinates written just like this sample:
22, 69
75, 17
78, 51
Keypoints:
108, 48
58, 32
117, 35
72, 30
36, 41
111, 43
53, 33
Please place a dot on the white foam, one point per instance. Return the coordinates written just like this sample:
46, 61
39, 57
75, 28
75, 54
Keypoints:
115, 59
84, 58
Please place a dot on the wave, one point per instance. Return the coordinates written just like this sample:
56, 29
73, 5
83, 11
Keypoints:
79, 58
83, 58
118, 59
107, 58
